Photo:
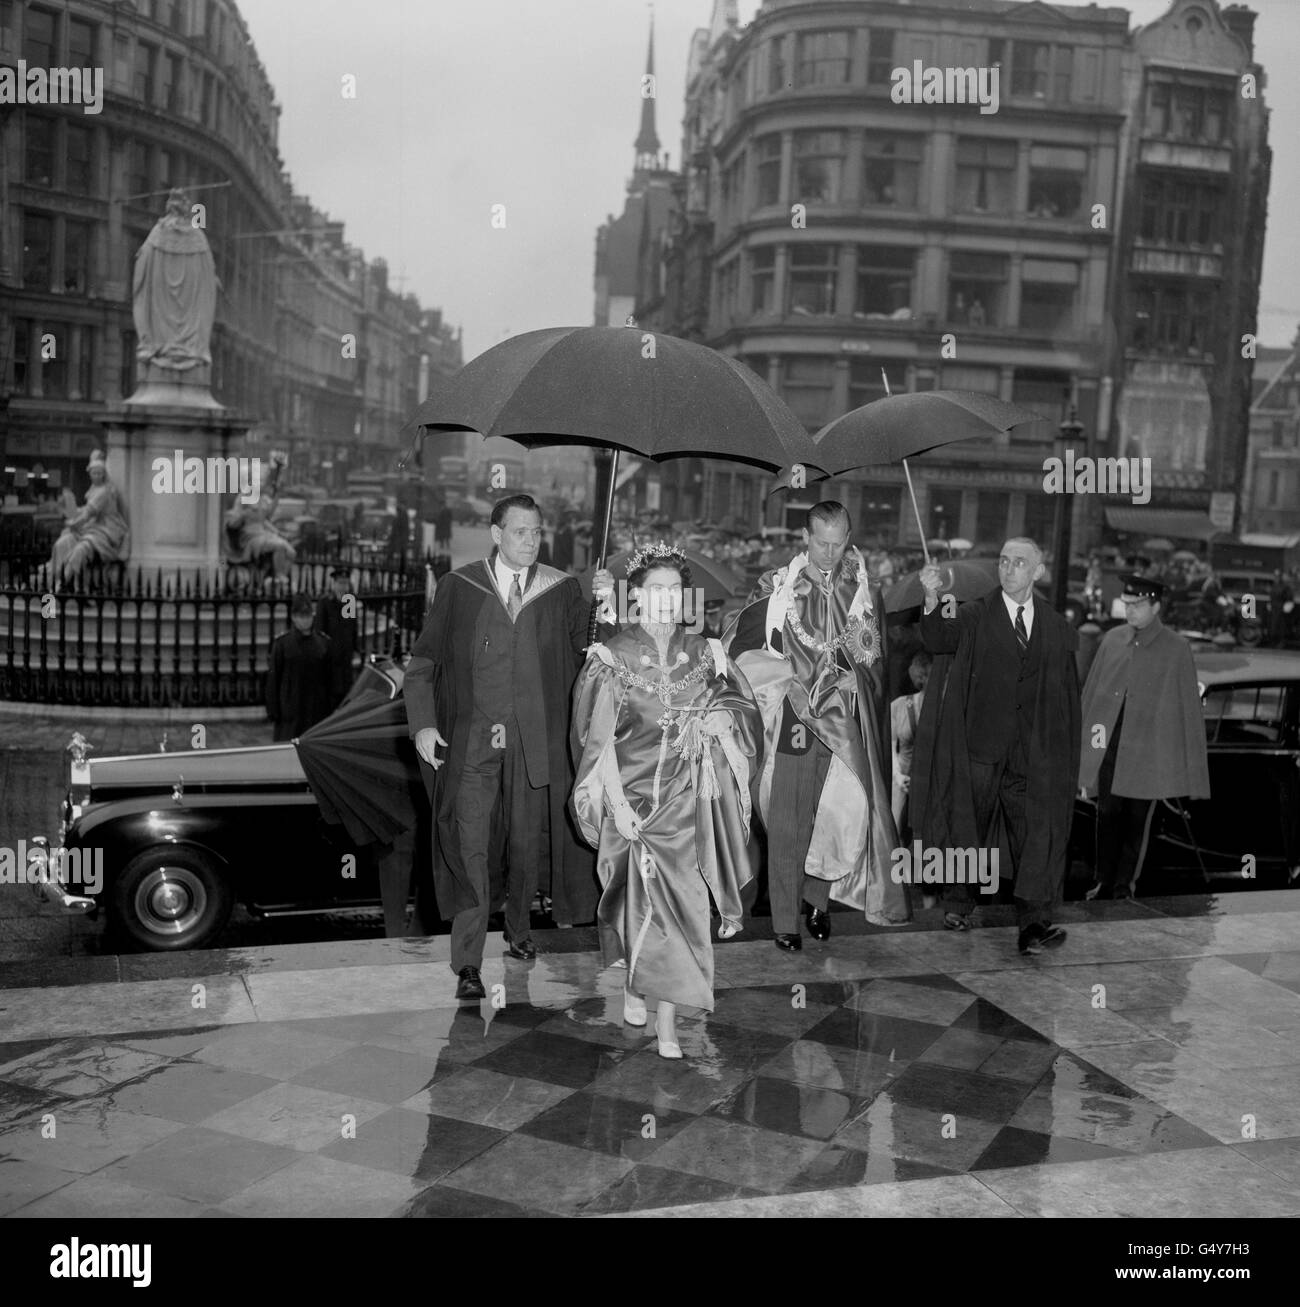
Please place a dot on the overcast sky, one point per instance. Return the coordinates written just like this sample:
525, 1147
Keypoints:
534, 104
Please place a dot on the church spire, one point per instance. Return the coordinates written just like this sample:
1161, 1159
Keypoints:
647, 140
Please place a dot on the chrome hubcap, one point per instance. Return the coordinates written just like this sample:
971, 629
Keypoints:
170, 900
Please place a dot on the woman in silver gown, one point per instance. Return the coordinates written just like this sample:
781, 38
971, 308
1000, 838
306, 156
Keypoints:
667, 738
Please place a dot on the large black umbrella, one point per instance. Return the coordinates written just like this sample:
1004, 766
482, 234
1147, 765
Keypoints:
893, 429
620, 388
362, 767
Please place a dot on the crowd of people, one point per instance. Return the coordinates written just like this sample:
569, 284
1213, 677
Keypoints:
623, 779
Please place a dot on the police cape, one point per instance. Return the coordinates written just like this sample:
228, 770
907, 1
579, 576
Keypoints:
1150, 675
824, 653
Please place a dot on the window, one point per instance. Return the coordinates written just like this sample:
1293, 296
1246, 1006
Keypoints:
1244, 714
54, 369
1180, 213
964, 376
40, 27
1056, 177
769, 170
166, 169
146, 63
884, 283
977, 288
878, 513
38, 250
76, 256
205, 111
1029, 65
1048, 289
812, 280
992, 508
126, 377
138, 180
867, 380
1044, 391
1040, 517
818, 167
777, 73
22, 367
1187, 112
822, 58
81, 43
1062, 72
172, 15
880, 60
891, 166
986, 175
38, 164
945, 513
1171, 319
762, 281
728, 290
79, 175
171, 82
806, 387
731, 179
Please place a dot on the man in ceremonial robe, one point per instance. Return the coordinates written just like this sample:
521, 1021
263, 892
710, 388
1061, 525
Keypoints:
487, 701
997, 750
812, 642
1143, 734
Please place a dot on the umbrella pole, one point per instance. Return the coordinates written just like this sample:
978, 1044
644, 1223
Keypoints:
911, 490
604, 539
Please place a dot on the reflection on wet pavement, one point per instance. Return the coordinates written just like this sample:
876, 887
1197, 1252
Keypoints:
1151, 1056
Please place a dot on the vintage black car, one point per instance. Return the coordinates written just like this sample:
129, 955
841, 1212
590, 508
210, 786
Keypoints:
1249, 828
182, 837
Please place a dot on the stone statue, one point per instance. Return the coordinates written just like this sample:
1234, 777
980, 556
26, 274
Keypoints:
250, 535
98, 529
174, 295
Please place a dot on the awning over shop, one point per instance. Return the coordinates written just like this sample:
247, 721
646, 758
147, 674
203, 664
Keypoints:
1172, 523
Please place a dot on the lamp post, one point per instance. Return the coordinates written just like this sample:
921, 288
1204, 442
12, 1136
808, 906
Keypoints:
1070, 430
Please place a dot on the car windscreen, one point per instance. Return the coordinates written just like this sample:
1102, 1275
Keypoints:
1244, 714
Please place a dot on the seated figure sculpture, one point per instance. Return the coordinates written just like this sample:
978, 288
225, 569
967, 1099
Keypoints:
97, 530
250, 533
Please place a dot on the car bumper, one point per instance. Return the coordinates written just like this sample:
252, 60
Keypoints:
45, 886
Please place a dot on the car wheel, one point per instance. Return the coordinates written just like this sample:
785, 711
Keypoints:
1250, 634
169, 898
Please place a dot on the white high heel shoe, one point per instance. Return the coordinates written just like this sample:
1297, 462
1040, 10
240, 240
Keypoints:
633, 1009
667, 1047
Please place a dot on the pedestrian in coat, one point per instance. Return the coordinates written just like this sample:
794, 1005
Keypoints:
300, 677
489, 683
812, 642
336, 620
1143, 735
996, 759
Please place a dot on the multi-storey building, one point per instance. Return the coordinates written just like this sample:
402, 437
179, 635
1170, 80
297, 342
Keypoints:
186, 102
831, 237
1271, 486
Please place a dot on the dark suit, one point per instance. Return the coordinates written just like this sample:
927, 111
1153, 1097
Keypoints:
996, 762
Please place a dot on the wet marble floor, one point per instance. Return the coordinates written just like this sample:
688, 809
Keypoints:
1150, 1065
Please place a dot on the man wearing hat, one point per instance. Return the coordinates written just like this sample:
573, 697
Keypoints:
1143, 734
298, 679
336, 620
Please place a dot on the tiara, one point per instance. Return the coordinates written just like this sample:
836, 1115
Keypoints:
660, 549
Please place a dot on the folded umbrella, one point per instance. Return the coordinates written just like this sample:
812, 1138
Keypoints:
362, 767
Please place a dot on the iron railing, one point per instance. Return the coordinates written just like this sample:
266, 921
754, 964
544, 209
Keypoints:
116, 636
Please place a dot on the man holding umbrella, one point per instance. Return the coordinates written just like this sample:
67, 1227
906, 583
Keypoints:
997, 750
489, 682
812, 642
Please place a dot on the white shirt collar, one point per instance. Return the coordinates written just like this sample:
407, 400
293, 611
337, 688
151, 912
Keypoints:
505, 574
1012, 606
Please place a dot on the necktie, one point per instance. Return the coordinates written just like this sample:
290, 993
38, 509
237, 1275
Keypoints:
516, 600
1022, 635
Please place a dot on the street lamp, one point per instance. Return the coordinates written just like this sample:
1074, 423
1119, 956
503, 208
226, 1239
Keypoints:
1069, 432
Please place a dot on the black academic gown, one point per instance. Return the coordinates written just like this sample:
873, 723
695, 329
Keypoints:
970, 710
341, 632
439, 691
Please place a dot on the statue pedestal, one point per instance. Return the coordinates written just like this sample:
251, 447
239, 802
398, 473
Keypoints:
178, 529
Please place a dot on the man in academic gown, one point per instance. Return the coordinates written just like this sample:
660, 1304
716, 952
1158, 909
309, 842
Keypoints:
997, 749
813, 645
487, 696
1143, 734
